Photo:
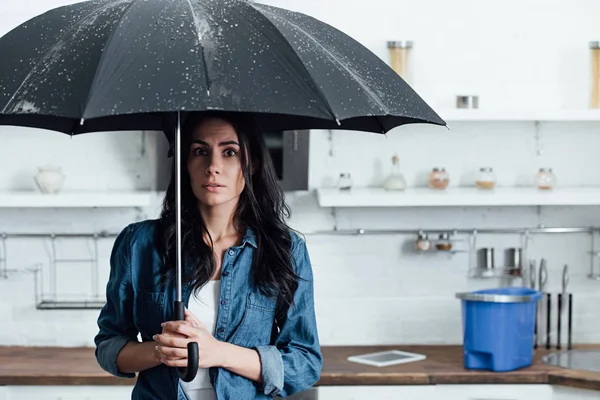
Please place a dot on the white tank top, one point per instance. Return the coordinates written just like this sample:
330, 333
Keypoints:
204, 306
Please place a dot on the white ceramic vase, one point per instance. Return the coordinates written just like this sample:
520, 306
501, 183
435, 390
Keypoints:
50, 179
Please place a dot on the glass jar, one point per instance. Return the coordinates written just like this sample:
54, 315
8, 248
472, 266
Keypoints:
345, 181
395, 181
486, 179
399, 51
444, 243
423, 243
545, 179
595, 75
439, 178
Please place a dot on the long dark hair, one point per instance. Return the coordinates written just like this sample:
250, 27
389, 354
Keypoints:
261, 207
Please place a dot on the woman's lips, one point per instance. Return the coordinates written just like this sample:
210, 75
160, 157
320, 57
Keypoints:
212, 187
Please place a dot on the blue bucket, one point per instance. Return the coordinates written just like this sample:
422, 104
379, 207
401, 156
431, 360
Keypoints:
498, 328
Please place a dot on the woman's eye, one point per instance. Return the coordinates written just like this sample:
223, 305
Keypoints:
230, 153
199, 151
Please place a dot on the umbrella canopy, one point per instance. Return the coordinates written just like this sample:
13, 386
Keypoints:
107, 65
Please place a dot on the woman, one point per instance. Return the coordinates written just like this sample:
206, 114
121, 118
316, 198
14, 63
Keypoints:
247, 280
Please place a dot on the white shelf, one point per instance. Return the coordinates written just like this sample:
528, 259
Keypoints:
482, 115
34, 199
457, 197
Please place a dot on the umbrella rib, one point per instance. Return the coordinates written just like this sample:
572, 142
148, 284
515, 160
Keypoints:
345, 67
318, 89
335, 60
204, 64
101, 61
41, 61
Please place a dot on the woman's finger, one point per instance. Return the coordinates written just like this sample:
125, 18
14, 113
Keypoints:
170, 341
190, 317
170, 333
175, 363
172, 353
180, 327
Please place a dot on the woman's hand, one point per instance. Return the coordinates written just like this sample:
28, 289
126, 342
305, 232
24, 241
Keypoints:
172, 343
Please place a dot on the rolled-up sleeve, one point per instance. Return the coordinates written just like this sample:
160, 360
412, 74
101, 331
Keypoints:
116, 327
294, 362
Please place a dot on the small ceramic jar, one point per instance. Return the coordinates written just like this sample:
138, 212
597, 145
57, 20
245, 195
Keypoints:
545, 179
423, 243
486, 179
444, 243
49, 179
439, 178
345, 182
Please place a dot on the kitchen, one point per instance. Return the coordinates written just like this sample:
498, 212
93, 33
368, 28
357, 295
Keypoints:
532, 82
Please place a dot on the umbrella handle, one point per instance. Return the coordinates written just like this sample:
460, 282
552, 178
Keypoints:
187, 374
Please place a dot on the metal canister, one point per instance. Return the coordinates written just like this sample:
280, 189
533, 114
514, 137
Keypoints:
514, 257
485, 258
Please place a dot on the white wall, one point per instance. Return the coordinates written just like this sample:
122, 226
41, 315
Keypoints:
372, 289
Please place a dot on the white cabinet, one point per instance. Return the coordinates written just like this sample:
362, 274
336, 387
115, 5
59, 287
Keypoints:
424, 392
567, 393
456, 392
67, 393
494, 392
412, 392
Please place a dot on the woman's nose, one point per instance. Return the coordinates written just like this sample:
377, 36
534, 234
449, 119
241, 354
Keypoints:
213, 167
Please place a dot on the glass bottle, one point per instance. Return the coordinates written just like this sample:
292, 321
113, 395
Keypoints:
439, 178
399, 51
595, 76
545, 179
486, 179
396, 180
345, 182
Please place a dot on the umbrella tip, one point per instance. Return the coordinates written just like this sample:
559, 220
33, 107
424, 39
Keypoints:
338, 122
82, 121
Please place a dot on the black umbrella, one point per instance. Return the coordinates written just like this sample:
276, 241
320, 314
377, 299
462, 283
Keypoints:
111, 65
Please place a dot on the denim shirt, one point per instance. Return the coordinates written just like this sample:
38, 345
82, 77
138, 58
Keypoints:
289, 350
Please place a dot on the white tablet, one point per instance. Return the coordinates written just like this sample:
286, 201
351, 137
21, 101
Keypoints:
386, 358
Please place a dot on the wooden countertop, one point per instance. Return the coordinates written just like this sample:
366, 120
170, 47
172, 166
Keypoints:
444, 365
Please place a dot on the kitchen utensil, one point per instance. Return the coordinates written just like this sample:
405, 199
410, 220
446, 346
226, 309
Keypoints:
562, 297
543, 275
532, 274
532, 279
569, 323
548, 318
542, 280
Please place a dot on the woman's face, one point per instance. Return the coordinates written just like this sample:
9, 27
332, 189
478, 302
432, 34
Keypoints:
214, 163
